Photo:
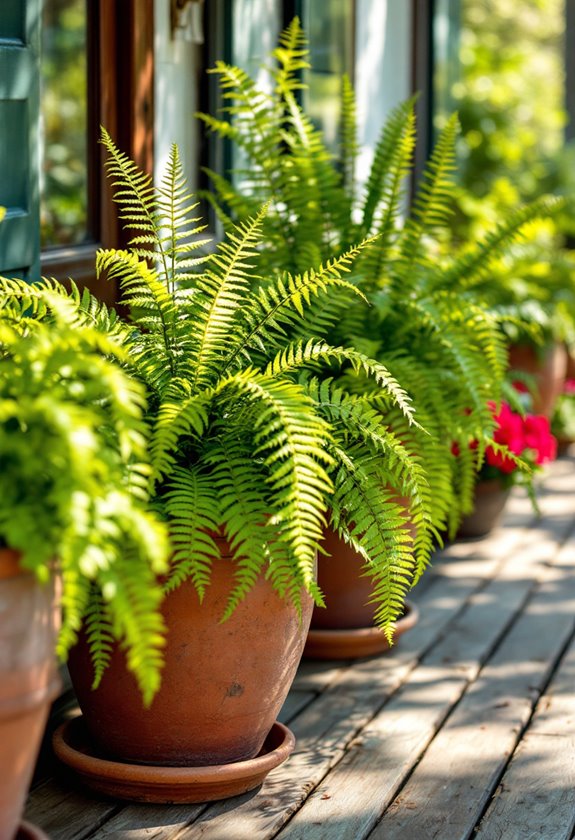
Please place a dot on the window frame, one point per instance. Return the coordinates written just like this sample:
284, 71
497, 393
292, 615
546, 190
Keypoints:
120, 97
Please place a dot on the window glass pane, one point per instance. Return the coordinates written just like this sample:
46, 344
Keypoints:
256, 27
329, 27
64, 117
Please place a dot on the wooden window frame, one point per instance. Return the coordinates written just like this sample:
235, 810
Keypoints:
121, 98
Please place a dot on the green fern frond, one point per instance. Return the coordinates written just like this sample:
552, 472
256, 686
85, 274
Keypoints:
291, 56
349, 148
291, 441
432, 206
280, 305
192, 504
136, 620
391, 160
469, 269
99, 632
142, 289
365, 514
224, 285
133, 189
180, 415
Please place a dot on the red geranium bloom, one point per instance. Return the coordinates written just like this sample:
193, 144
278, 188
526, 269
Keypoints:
538, 437
509, 431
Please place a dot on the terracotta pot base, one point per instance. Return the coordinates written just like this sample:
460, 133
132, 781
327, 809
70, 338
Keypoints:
490, 500
167, 785
27, 831
356, 643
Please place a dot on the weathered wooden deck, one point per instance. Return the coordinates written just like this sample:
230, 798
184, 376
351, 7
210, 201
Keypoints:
467, 729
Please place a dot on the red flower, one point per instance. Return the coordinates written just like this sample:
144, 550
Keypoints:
502, 462
520, 387
569, 386
509, 430
538, 437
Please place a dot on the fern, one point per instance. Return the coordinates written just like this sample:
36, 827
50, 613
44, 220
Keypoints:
74, 479
428, 323
247, 444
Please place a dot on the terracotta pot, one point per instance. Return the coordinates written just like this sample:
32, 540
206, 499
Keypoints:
345, 628
489, 503
223, 684
28, 681
357, 643
549, 368
346, 589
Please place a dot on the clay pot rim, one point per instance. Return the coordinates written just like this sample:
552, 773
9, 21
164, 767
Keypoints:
70, 739
359, 641
27, 831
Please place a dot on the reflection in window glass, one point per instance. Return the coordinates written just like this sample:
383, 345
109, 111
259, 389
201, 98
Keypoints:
329, 29
64, 117
256, 28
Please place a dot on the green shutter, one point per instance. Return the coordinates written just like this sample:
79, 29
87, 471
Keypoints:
20, 137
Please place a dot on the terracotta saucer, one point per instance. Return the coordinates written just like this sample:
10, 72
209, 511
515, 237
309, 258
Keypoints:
27, 831
355, 643
167, 785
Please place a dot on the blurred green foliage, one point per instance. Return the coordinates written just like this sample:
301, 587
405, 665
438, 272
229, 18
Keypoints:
510, 98
64, 114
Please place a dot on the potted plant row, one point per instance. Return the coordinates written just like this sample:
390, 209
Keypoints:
256, 443
427, 320
529, 441
277, 408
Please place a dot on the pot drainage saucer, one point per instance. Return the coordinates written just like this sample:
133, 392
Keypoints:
355, 643
167, 785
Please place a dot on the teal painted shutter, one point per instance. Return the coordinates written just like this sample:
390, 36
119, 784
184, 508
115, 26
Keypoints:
20, 137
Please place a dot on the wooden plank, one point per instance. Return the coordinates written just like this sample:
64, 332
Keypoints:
313, 675
65, 812
295, 702
446, 795
354, 795
366, 685
536, 797
147, 822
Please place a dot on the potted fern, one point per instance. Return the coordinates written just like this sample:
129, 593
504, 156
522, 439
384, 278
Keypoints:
254, 449
529, 442
425, 322
75, 535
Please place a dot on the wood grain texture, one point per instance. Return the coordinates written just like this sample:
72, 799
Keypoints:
355, 794
536, 797
446, 795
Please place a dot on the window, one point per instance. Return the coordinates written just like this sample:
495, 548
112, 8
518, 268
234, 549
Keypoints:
97, 69
64, 126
